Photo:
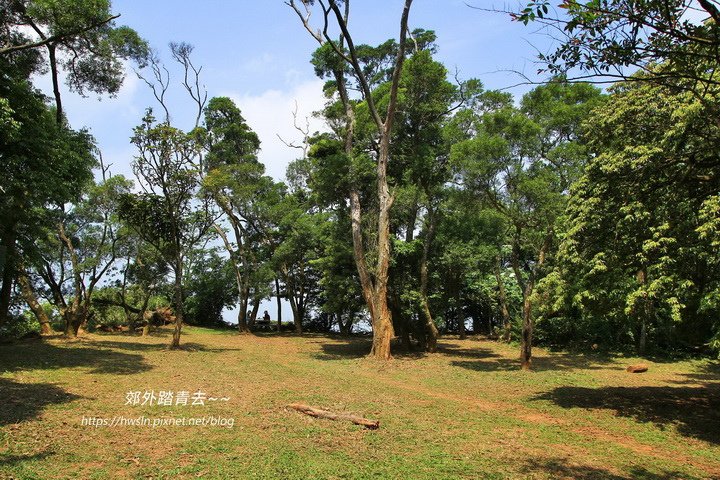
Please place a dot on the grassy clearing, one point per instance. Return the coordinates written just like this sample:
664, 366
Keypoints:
466, 412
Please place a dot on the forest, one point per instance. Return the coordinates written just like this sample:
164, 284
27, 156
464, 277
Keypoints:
581, 216
570, 217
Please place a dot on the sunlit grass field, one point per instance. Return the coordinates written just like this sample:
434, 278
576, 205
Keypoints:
465, 412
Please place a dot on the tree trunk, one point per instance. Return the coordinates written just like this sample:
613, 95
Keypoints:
366, 283
141, 315
253, 313
242, 313
489, 313
31, 299
459, 310
241, 282
528, 321
642, 342
476, 323
400, 321
383, 328
298, 315
279, 305
527, 329
297, 308
462, 333
56, 83
129, 317
344, 326
502, 299
8, 274
431, 331
645, 314
374, 289
178, 306
74, 316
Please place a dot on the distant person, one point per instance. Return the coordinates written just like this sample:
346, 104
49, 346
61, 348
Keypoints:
266, 316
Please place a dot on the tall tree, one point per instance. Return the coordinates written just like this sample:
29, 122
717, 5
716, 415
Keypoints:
168, 213
236, 182
79, 36
344, 56
522, 161
44, 165
638, 260
421, 169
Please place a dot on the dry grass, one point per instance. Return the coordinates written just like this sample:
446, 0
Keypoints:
466, 412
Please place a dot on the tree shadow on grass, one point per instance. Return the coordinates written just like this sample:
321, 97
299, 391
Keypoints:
455, 350
494, 365
353, 347
488, 361
9, 461
130, 346
695, 411
342, 348
710, 372
105, 344
42, 355
560, 468
200, 347
24, 401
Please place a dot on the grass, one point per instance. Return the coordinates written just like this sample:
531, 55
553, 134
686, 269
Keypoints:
465, 412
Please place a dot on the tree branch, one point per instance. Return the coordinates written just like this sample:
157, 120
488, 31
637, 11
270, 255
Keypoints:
54, 38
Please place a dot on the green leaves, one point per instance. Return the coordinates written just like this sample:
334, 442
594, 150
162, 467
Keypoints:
612, 38
85, 29
646, 203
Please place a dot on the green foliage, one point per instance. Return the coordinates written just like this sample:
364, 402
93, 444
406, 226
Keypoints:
43, 163
209, 288
166, 214
639, 243
91, 47
230, 140
19, 327
656, 36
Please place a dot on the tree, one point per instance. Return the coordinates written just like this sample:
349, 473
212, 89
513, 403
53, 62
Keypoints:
208, 288
78, 249
298, 234
79, 36
344, 55
168, 213
638, 263
612, 39
44, 165
421, 170
82, 38
235, 181
522, 161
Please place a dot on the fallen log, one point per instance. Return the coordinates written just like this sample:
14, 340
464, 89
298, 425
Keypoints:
315, 412
637, 368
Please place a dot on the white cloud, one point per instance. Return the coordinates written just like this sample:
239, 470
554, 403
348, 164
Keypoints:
271, 114
260, 64
94, 109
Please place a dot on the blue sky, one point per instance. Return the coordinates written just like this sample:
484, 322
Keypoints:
257, 53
